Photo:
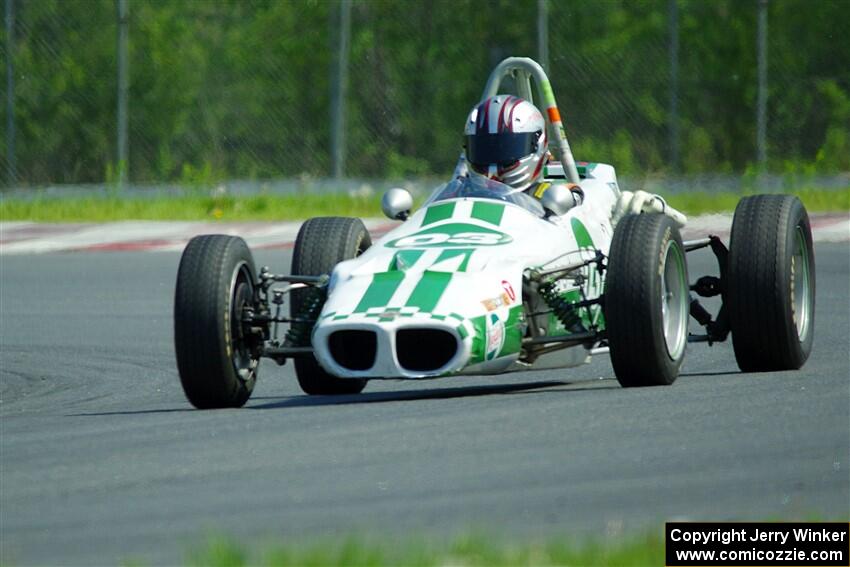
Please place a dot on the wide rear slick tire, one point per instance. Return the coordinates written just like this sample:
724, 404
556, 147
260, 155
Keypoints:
646, 301
215, 358
771, 283
322, 243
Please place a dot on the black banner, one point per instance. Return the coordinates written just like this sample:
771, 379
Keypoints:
757, 543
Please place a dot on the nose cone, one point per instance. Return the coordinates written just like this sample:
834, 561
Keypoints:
420, 325
391, 344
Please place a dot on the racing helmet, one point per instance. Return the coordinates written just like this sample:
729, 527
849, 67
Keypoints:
506, 141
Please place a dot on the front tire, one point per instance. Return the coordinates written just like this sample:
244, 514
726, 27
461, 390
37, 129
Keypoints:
771, 283
322, 243
646, 301
216, 358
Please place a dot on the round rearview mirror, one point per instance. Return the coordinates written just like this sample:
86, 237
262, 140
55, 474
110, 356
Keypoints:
396, 204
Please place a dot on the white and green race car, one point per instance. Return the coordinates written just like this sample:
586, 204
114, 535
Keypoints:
483, 279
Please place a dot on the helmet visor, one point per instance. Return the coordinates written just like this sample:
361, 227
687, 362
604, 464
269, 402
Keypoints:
503, 148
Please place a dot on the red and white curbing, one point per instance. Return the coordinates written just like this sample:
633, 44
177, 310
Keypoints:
35, 238
826, 227
149, 236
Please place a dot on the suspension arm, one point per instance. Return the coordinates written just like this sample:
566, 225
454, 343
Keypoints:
598, 259
572, 339
717, 330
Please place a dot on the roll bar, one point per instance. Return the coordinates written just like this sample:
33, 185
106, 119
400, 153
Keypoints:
523, 69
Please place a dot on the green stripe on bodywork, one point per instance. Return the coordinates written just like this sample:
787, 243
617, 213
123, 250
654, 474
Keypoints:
449, 254
436, 213
379, 292
479, 339
583, 238
429, 290
488, 212
405, 259
584, 169
513, 332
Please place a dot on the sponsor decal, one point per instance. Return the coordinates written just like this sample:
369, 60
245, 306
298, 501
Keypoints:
452, 236
494, 303
495, 336
485, 331
506, 285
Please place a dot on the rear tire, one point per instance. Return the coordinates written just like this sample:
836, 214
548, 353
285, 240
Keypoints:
322, 243
216, 360
771, 275
646, 301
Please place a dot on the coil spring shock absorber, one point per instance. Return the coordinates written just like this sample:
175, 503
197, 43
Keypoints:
561, 308
300, 331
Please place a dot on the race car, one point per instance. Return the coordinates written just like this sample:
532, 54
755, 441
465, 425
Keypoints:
484, 279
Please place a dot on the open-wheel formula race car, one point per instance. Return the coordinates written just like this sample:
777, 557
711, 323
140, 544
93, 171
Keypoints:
484, 279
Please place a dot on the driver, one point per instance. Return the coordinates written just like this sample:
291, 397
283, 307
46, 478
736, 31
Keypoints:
506, 140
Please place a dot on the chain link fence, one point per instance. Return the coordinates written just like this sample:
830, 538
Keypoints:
245, 89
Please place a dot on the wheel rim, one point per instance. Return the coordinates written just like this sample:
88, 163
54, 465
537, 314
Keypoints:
674, 306
801, 292
242, 296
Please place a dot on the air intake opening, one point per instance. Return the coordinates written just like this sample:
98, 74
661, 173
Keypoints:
424, 350
352, 349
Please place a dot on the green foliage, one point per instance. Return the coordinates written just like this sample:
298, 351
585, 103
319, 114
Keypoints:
699, 149
242, 89
202, 177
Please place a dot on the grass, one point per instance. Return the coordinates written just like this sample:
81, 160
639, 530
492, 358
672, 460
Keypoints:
190, 207
298, 207
816, 201
467, 551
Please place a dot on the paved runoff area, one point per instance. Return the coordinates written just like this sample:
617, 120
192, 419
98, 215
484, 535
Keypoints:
32, 238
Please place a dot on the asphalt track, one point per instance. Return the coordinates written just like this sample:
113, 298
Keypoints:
102, 459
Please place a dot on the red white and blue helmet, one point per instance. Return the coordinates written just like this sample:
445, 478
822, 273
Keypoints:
506, 141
